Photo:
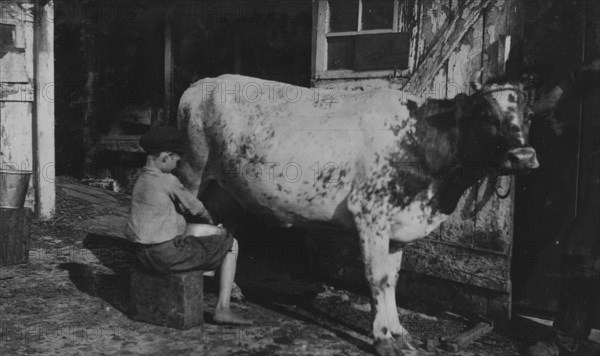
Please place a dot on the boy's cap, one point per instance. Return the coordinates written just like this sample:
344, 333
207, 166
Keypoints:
163, 139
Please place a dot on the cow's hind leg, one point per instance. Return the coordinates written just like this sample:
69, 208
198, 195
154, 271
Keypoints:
193, 165
381, 269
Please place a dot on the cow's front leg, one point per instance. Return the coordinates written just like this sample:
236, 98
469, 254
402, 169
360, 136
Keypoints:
381, 269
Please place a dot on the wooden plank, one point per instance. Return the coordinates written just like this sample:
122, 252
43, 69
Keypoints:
91, 194
43, 124
319, 60
499, 23
457, 263
14, 12
463, 62
494, 222
16, 64
169, 70
436, 19
120, 143
408, 21
466, 17
452, 296
16, 92
112, 225
336, 255
13, 67
26, 30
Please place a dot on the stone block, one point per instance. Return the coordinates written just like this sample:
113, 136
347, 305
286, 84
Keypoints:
174, 300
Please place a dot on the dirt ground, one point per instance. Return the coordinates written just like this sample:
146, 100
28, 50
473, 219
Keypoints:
71, 298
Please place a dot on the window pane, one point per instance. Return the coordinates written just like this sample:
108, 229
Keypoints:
340, 52
343, 15
381, 51
377, 14
7, 36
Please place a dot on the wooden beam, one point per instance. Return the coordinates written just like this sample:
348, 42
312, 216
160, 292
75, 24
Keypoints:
464, 18
319, 42
44, 112
169, 68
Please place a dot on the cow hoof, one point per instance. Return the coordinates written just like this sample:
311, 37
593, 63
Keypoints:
387, 347
405, 342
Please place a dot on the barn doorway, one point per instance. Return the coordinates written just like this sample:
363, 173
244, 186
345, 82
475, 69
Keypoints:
549, 200
137, 58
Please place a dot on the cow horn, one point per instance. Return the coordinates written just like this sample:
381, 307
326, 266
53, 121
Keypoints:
476, 86
476, 83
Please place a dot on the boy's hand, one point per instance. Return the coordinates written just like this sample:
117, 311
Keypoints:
223, 230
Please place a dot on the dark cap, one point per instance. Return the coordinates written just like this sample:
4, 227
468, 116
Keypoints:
163, 139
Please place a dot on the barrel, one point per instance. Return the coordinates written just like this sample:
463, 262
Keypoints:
13, 188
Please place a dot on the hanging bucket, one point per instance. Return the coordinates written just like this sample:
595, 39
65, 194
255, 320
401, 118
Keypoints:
13, 188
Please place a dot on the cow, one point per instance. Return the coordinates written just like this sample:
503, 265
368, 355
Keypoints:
389, 165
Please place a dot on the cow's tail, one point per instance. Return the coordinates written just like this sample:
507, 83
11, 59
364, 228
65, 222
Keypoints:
190, 116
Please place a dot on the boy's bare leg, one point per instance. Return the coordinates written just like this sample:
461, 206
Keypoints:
223, 313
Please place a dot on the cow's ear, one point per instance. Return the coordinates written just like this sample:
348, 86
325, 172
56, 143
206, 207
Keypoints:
440, 114
444, 120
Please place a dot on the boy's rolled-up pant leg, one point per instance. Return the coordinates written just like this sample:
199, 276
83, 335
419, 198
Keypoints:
202, 253
187, 253
150, 257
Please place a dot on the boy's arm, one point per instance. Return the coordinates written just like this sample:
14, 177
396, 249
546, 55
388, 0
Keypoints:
188, 203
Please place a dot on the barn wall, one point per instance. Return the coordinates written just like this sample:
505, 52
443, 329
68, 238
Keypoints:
17, 91
456, 39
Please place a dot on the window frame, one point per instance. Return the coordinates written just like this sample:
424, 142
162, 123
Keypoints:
321, 33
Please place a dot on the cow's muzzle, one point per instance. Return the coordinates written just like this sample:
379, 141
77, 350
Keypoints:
520, 159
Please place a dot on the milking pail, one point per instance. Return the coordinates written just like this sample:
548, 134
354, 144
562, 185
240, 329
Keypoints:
13, 188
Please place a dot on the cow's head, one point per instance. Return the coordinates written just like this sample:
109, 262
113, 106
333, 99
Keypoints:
494, 128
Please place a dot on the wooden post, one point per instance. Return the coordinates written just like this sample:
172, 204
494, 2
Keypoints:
44, 112
14, 236
168, 75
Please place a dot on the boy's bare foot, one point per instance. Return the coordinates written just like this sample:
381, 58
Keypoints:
226, 316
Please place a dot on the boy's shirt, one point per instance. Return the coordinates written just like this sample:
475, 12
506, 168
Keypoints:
153, 217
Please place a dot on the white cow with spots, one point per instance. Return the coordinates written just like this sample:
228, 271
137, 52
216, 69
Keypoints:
389, 166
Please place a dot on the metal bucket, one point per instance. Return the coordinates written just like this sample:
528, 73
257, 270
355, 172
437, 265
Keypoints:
202, 230
13, 188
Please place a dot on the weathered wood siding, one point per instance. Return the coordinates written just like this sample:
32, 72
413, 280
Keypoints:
17, 90
455, 40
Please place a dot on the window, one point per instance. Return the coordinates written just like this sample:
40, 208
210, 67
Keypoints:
7, 38
361, 36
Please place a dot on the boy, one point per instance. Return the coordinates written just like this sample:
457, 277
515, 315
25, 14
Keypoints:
156, 222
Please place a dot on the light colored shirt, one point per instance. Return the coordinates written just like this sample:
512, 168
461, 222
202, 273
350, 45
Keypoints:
158, 203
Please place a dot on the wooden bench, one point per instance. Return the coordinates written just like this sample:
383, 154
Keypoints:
174, 300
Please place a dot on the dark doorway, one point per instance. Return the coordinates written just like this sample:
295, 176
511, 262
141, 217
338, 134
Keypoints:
558, 36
